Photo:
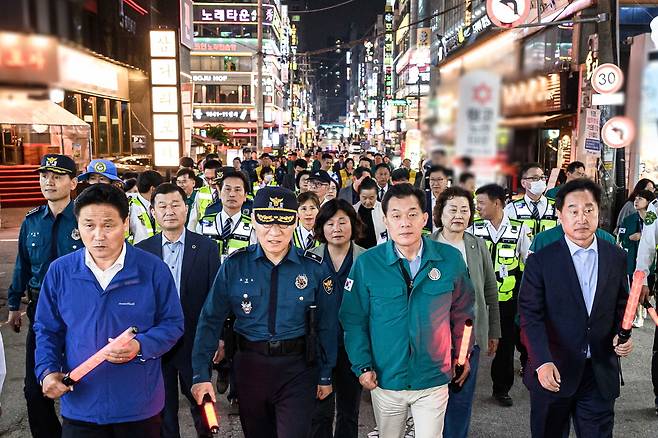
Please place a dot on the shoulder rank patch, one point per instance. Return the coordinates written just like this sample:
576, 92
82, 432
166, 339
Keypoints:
650, 218
31, 212
310, 255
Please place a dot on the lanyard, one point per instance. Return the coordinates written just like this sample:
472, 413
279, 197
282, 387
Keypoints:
407, 278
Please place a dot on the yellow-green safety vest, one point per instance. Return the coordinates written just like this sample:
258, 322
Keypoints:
203, 200
145, 218
507, 264
524, 214
299, 242
239, 237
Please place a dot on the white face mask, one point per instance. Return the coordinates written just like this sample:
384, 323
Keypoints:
538, 187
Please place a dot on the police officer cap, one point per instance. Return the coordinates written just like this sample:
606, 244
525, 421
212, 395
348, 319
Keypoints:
57, 163
275, 205
320, 175
102, 167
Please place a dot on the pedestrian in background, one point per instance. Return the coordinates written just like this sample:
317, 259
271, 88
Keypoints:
628, 208
91, 296
453, 214
304, 236
336, 227
141, 222
369, 210
48, 232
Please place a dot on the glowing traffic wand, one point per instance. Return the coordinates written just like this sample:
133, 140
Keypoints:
211, 416
463, 355
631, 307
74, 376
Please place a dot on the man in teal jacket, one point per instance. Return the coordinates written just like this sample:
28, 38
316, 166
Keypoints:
404, 325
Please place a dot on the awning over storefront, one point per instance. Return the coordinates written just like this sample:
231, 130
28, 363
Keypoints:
36, 112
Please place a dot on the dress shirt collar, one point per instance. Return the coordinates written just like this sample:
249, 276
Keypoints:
223, 215
541, 203
180, 239
144, 201
418, 256
573, 248
118, 263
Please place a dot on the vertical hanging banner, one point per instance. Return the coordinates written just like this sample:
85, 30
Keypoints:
388, 52
477, 115
165, 92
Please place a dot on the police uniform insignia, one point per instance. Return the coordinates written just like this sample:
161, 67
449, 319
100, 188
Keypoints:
75, 234
348, 284
275, 202
100, 167
246, 304
434, 274
301, 281
650, 218
328, 284
34, 210
51, 161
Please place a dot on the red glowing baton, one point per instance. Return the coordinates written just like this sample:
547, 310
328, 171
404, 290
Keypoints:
211, 416
631, 307
74, 376
463, 355
651, 311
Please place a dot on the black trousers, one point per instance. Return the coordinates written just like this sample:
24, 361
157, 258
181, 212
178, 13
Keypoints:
502, 367
149, 428
344, 400
654, 365
172, 376
592, 415
41, 414
276, 395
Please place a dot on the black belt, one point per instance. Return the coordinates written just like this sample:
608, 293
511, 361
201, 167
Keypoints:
288, 347
32, 294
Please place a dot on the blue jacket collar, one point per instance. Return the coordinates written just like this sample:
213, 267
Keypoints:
129, 273
67, 212
292, 255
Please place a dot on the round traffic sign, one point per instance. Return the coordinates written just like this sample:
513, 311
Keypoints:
618, 132
607, 79
508, 13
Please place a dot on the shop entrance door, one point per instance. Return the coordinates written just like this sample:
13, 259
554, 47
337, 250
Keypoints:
10, 148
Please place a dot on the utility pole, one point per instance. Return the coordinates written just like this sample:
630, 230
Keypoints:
259, 81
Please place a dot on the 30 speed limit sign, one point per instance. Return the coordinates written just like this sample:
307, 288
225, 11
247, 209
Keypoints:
607, 79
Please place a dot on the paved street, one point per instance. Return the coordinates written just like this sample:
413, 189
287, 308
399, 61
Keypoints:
634, 414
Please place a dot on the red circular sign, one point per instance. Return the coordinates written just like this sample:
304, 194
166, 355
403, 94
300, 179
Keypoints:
618, 132
508, 13
607, 79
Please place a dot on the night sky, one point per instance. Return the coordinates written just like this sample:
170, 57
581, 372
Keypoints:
336, 22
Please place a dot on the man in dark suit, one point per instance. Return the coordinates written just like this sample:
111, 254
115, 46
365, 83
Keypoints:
193, 260
571, 304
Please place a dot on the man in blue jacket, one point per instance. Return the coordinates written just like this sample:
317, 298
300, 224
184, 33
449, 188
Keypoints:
92, 295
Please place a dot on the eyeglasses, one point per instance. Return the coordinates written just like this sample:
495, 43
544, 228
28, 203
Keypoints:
315, 184
535, 178
437, 180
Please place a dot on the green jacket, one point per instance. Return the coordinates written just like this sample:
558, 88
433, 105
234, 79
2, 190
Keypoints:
410, 341
630, 225
552, 193
552, 235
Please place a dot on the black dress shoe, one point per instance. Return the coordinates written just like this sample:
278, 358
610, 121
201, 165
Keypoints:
504, 400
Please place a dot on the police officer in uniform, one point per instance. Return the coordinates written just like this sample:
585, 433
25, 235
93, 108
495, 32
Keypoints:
285, 322
507, 240
231, 226
208, 194
48, 232
142, 225
534, 209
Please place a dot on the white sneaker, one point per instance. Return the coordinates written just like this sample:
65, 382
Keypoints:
374, 433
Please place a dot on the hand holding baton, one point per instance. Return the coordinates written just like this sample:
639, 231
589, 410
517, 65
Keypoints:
74, 376
463, 356
211, 416
631, 307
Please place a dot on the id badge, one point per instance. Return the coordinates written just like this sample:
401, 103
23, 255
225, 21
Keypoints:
504, 273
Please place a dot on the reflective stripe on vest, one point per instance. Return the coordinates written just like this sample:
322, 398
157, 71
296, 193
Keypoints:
507, 264
150, 225
239, 237
298, 241
547, 221
204, 198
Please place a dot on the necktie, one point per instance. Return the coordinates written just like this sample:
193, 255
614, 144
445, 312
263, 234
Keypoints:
381, 194
226, 229
215, 196
309, 241
535, 211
